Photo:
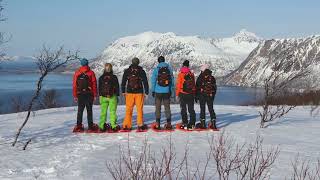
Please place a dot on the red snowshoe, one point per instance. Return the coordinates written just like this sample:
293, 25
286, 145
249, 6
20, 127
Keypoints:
114, 130
212, 125
93, 129
181, 126
78, 129
106, 128
125, 129
157, 128
143, 128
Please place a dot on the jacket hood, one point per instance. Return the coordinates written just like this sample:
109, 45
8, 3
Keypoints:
163, 64
207, 71
84, 68
184, 69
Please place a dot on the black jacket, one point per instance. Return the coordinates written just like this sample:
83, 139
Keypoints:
200, 80
125, 87
114, 80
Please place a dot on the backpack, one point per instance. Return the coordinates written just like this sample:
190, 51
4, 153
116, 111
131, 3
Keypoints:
208, 85
83, 84
188, 85
134, 79
164, 76
108, 86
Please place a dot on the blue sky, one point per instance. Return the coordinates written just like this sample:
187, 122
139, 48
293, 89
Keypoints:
90, 25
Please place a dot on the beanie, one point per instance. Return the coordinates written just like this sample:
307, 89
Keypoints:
84, 62
161, 59
186, 63
135, 61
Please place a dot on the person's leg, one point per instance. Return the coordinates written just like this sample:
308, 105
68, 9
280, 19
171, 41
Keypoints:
166, 103
191, 109
113, 104
103, 115
127, 122
158, 108
89, 104
210, 108
202, 102
81, 106
139, 99
183, 107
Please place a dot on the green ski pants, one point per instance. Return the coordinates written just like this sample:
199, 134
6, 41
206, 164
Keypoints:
111, 104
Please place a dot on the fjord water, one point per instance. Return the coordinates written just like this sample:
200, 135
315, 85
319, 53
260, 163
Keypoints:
22, 85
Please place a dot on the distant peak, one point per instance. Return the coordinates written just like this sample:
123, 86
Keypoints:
245, 35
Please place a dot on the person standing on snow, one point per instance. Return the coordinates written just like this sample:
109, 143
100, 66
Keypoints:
109, 92
206, 91
162, 87
185, 92
134, 85
84, 93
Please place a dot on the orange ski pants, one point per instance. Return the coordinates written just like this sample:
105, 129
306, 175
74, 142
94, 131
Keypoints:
131, 100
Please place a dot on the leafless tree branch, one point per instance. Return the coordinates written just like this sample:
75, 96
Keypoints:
47, 61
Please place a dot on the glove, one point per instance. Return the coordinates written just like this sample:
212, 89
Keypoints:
75, 99
153, 94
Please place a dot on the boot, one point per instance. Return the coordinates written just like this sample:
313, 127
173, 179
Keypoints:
93, 128
168, 126
201, 124
78, 128
142, 128
190, 126
157, 126
212, 124
117, 128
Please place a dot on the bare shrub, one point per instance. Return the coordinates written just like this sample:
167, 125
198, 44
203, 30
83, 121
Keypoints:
49, 99
18, 105
277, 85
47, 61
303, 170
241, 161
147, 164
225, 159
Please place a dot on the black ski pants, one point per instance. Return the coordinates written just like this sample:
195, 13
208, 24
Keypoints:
85, 101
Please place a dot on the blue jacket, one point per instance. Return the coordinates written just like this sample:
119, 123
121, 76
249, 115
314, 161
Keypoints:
155, 86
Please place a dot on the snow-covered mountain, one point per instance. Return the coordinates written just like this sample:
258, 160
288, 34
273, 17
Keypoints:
224, 54
294, 53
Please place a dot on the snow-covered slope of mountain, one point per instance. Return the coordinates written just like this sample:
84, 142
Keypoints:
293, 53
56, 153
224, 54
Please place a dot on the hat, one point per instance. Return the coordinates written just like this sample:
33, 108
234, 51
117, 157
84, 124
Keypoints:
186, 63
204, 67
84, 62
161, 59
135, 61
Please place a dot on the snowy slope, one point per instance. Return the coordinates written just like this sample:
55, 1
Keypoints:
224, 54
56, 153
260, 62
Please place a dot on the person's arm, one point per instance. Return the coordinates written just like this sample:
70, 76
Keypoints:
124, 82
74, 85
145, 82
194, 84
100, 85
198, 83
154, 79
171, 87
178, 84
117, 85
94, 85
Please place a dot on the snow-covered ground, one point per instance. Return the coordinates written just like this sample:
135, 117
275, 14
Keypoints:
56, 153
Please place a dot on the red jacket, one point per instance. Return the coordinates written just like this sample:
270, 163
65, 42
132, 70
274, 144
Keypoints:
180, 81
92, 77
